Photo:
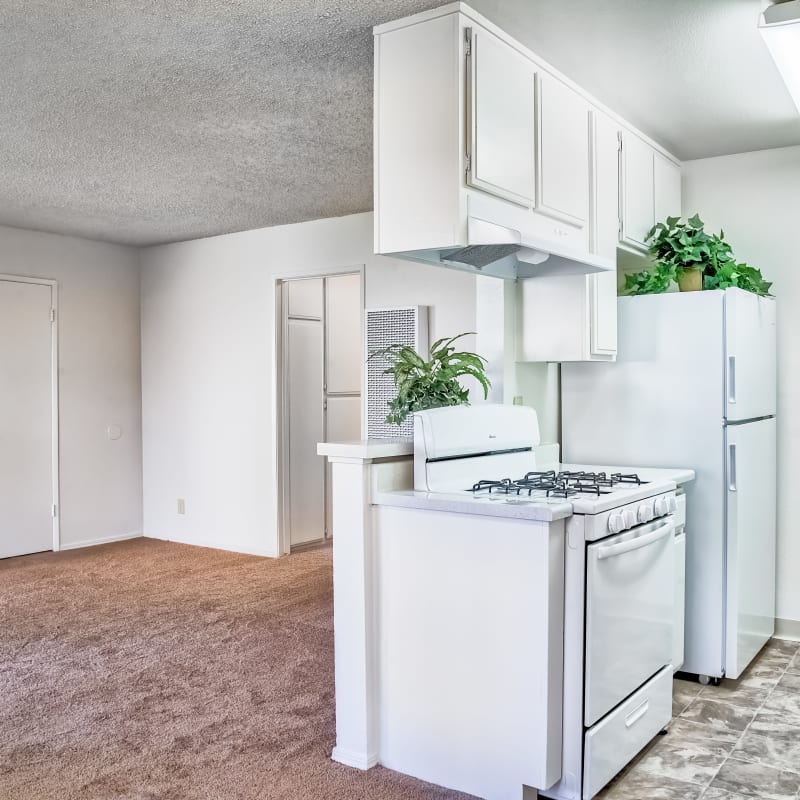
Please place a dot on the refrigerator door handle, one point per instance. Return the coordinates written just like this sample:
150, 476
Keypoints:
731, 379
732, 467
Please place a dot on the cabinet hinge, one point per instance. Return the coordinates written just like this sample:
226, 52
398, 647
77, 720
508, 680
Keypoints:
55, 510
467, 41
619, 141
52, 315
467, 162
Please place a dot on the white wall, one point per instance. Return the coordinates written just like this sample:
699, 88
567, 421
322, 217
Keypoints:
755, 198
208, 366
99, 377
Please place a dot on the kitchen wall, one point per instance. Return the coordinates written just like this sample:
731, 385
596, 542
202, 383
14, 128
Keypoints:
208, 366
754, 198
99, 378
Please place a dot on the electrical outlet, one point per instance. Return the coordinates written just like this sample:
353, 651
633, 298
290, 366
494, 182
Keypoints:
181, 506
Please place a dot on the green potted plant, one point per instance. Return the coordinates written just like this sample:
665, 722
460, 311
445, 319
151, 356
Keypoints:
431, 383
685, 253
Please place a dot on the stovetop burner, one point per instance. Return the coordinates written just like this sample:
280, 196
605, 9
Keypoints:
559, 484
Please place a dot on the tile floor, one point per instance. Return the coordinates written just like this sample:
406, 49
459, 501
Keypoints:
735, 741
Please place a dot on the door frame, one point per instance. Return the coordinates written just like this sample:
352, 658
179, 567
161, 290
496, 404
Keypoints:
281, 414
55, 455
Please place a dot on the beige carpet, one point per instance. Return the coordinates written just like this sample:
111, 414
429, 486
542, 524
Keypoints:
147, 670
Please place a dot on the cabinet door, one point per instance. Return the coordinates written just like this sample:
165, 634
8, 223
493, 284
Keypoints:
503, 125
638, 209
563, 151
602, 287
666, 188
605, 186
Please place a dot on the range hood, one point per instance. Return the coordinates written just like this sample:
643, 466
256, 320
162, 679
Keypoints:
501, 252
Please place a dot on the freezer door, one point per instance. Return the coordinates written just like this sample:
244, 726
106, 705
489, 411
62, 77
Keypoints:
750, 354
750, 568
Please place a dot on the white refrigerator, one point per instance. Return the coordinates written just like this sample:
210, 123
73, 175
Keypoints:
694, 386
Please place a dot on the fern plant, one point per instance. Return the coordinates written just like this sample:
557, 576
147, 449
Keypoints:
433, 383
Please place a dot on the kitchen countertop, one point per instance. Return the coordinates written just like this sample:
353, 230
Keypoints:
367, 449
484, 504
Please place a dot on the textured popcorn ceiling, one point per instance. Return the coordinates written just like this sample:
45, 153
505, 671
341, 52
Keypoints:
145, 122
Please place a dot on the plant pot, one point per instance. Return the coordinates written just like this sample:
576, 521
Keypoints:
691, 280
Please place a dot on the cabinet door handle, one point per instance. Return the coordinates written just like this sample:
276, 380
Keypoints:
731, 379
639, 712
732, 467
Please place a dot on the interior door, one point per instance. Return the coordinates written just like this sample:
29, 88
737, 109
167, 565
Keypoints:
306, 419
750, 358
751, 533
563, 167
26, 419
503, 129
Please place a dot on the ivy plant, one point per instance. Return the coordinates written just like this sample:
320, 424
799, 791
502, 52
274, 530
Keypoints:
676, 246
431, 383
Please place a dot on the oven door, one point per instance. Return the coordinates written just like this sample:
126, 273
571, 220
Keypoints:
630, 605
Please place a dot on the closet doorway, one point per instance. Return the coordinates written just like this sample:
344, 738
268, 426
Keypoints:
320, 380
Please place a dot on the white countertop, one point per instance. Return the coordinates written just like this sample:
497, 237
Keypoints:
367, 449
490, 505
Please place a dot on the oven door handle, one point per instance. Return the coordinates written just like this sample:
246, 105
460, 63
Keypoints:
610, 550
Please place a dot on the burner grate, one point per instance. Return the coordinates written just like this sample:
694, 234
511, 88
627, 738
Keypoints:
559, 484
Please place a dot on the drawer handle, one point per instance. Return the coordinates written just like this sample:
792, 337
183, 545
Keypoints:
637, 714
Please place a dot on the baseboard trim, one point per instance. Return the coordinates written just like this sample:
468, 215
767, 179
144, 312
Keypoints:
787, 629
349, 758
102, 540
248, 551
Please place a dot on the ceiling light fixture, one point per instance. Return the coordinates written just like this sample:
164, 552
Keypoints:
780, 27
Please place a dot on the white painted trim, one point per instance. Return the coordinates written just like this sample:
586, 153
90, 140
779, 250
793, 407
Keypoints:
787, 629
351, 759
262, 552
55, 457
282, 545
122, 537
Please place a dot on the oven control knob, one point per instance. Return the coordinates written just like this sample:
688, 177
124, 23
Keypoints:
645, 512
662, 506
616, 523
629, 516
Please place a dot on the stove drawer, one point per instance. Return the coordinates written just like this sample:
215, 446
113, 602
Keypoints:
618, 737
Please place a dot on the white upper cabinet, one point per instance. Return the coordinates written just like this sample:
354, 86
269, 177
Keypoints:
651, 189
574, 318
563, 152
666, 188
502, 87
638, 209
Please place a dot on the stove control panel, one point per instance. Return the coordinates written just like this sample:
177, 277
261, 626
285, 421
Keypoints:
639, 513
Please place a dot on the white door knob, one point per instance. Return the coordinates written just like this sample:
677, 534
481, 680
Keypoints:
615, 523
629, 516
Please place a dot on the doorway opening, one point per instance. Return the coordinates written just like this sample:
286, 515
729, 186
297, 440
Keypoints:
29, 511
320, 381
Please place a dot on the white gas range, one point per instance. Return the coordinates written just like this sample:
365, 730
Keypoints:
620, 573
